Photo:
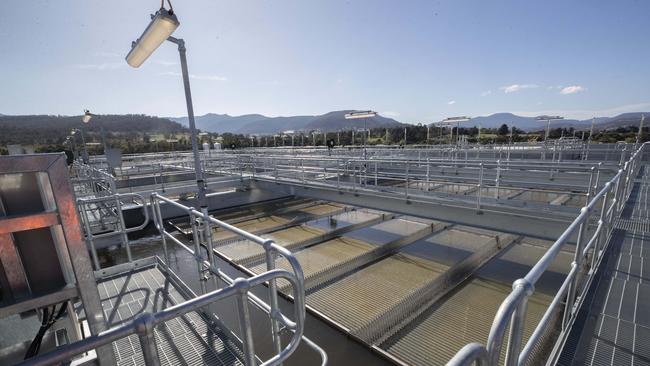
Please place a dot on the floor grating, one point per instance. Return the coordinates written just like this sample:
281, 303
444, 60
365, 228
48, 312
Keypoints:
186, 340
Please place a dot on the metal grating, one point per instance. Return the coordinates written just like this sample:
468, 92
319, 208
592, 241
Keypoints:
465, 316
361, 297
633, 225
186, 340
616, 327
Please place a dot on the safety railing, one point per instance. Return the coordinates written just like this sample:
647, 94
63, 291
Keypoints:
202, 224
90, 181
240, 288
508, 181
512, 312
110, 206
144, 324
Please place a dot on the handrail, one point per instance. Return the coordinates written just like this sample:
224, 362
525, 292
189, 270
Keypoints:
144, 324
204, 235
122, 231
512, 311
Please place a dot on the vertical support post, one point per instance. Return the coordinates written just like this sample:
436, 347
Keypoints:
517, 327
145, 330
209, 244
590, 184
157, 216
245, 325
197, 249
123, 236
406, 190
428, 175
577, 261
497, 180
273, 296
604, 230
190, 116
376, 172
89, 235
479, 192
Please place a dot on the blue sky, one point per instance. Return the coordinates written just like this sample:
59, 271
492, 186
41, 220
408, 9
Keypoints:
417, 61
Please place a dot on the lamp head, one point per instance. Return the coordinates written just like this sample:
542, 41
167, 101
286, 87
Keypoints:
360, 114
162, 25
87, 116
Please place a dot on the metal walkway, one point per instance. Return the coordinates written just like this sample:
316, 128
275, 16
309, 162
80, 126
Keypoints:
186, 340
614, 328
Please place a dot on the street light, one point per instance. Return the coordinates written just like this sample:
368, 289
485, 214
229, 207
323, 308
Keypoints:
365, 115
548, 120
162, 25
86, 119
449, 121
83, 142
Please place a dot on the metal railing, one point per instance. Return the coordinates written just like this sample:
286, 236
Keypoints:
202, 224
512, 312
144, 324
113, 206
508, 182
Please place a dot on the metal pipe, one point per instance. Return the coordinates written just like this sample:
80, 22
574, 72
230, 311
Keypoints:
190, 116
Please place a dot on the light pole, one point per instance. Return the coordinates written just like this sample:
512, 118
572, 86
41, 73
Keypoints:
548, 120
449, 121
365, 115
161, 27
86, 119
640, 133
84, 155
73, 146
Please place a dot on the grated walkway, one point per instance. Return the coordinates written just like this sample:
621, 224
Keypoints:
186, 340
614, 326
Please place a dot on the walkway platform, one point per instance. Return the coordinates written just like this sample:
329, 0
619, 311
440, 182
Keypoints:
614, 325
187, 340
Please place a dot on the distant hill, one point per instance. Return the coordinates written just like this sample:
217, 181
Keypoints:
259, 124
52, 129
531, 124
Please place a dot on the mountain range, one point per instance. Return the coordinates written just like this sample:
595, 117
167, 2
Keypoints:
334, 121
532, 124
259, 124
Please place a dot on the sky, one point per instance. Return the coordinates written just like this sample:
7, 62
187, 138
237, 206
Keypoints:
416, 61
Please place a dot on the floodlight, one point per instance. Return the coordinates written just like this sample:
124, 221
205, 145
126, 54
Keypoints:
86, 117
360, 114
456, 119
548, 118
162, 25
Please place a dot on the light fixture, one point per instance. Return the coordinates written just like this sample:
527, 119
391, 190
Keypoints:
360, 114
86, 117
449, 122
162, 25
548, 120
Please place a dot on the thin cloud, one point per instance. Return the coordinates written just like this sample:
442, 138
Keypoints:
451, 102
390, 114
486, 93
103, 66
573, 89
196, 77
518, 87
